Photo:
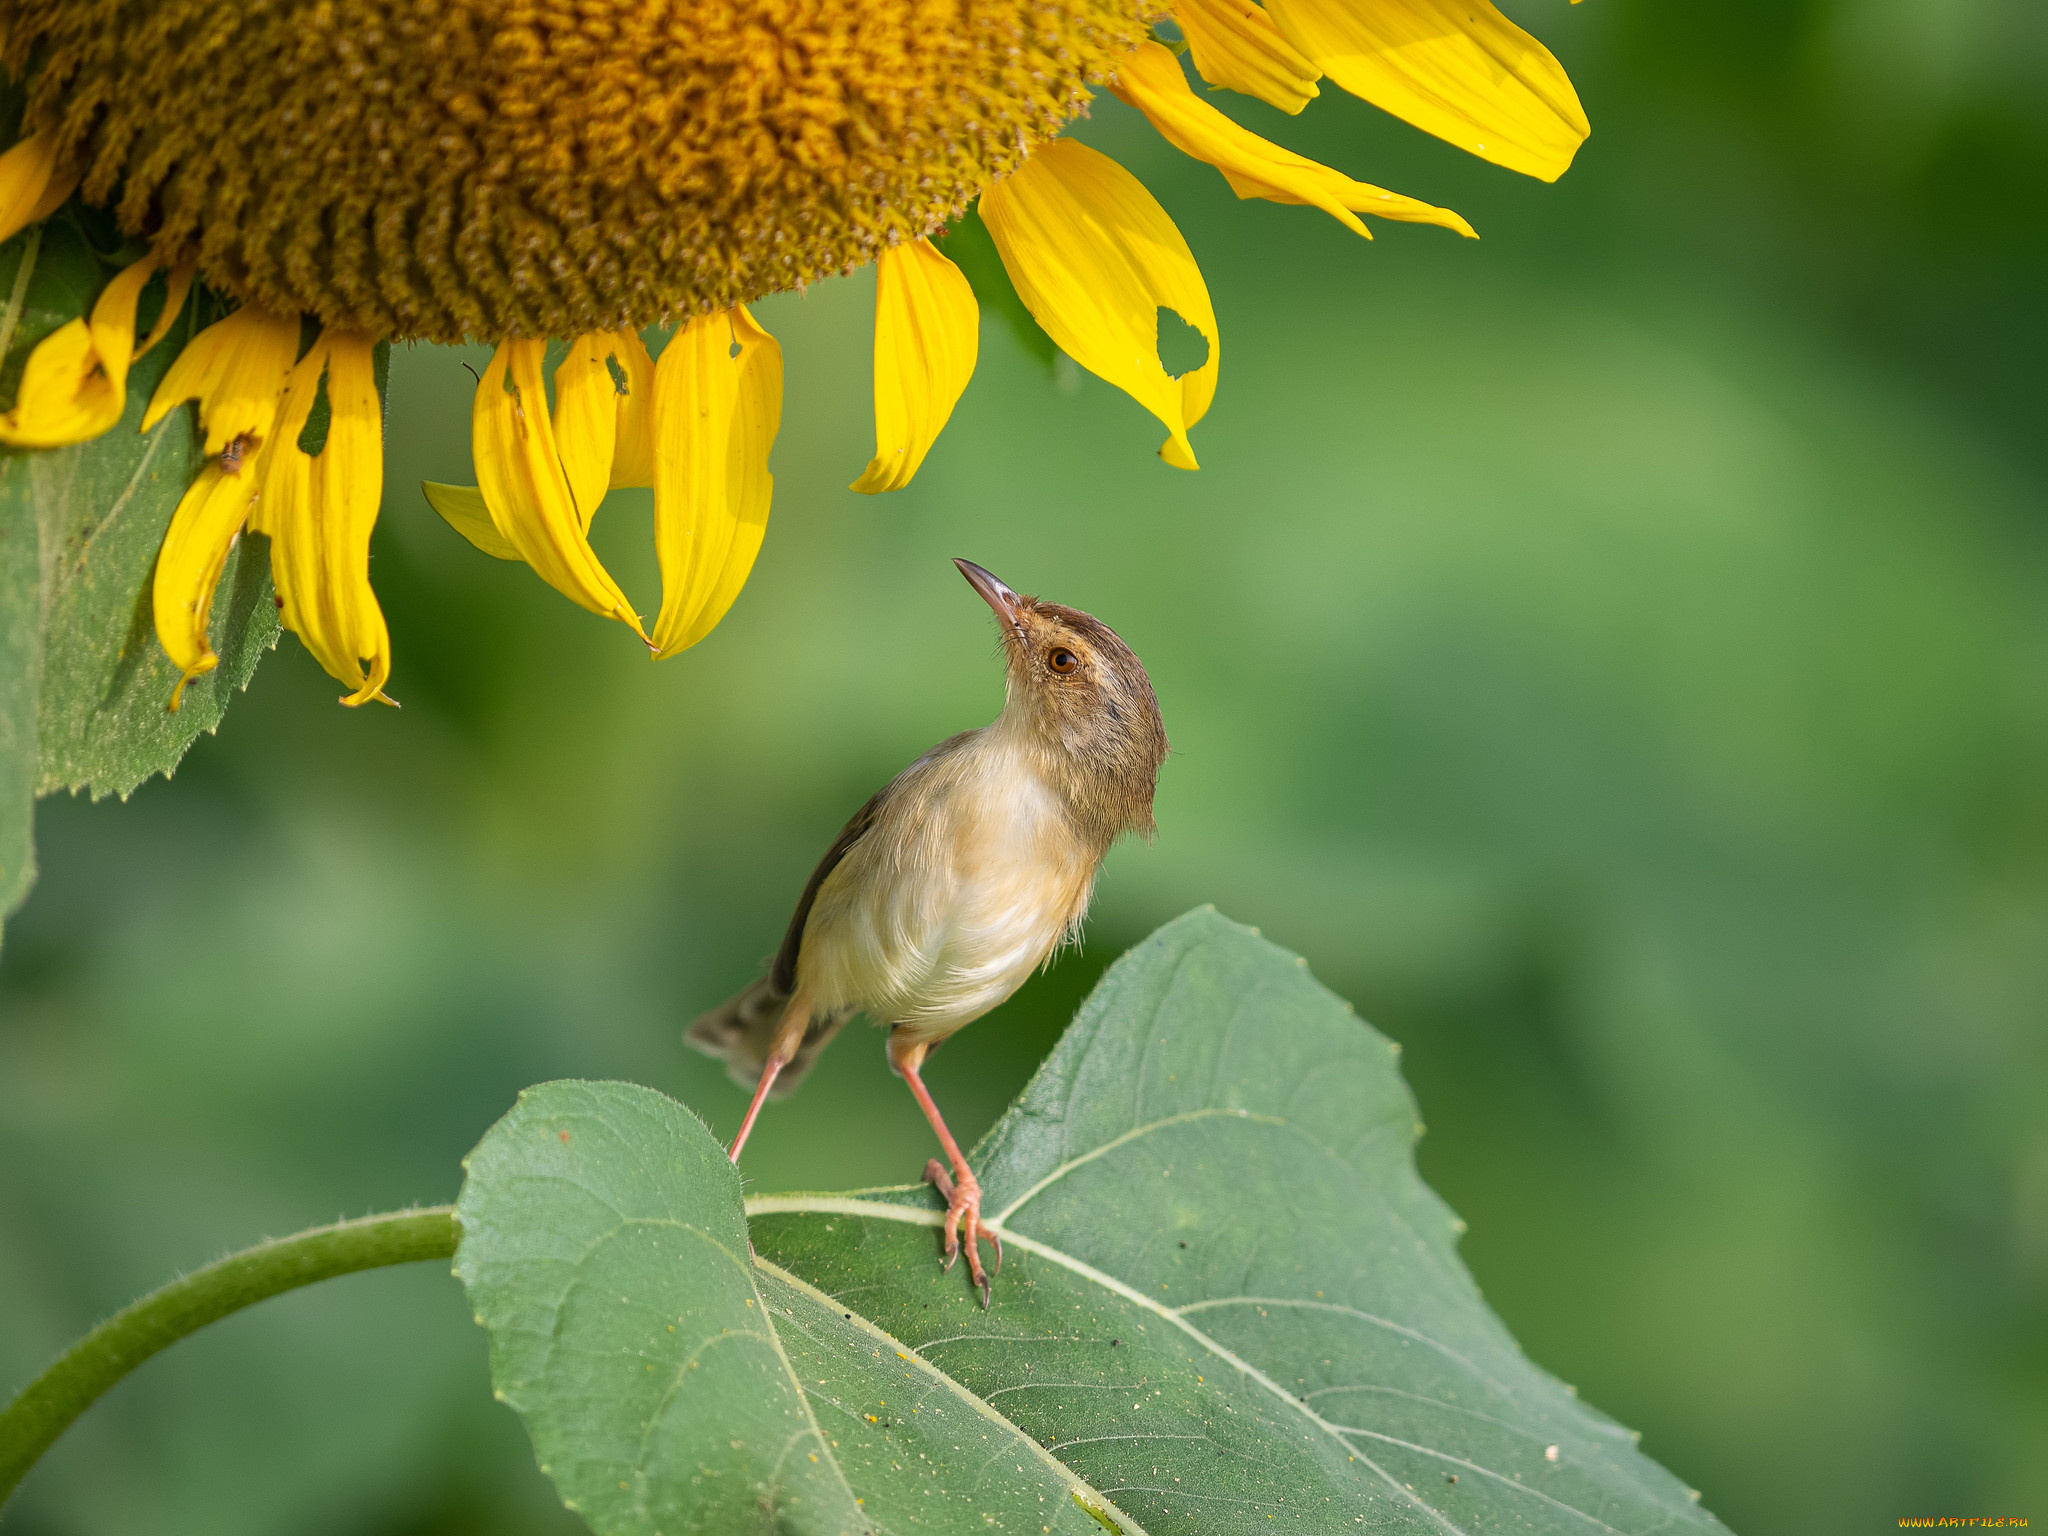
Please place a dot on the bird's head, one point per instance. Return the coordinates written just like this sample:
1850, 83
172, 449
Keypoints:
1083, 698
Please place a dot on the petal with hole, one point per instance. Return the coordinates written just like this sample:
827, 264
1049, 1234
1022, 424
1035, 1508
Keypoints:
319, 510
1095, 258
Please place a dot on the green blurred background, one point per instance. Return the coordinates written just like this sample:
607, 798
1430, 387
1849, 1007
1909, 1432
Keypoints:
1615, 652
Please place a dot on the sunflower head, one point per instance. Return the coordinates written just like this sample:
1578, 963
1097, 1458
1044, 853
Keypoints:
471, 168
510, 171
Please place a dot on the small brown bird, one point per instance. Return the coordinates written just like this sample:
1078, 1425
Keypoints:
952, 885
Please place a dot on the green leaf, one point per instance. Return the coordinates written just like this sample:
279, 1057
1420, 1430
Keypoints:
1229, 1303
101, 508
21, 672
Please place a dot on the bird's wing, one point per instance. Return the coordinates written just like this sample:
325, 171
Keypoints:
783, 973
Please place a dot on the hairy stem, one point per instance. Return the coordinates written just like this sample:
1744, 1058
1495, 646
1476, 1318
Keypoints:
47, 1405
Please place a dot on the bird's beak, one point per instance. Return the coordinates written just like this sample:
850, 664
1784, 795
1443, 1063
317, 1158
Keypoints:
1008, 605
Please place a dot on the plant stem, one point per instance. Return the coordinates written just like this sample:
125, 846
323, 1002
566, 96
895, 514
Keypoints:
47, 1405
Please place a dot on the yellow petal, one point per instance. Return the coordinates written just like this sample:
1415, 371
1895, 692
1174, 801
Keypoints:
177, 287
75, 383
757, 417
1151, 80
633, 458
1094, 259
286, 516
587, 421
320, 510
188, 567
60, 187
30, 186
348, 483
604, 418
236, 369
1455, 68
1236, 45
286, 511
462, 508
927, 331
716, 412
520, 475
63, 392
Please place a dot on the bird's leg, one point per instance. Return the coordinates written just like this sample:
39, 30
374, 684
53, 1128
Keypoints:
962, 1191
789, 1034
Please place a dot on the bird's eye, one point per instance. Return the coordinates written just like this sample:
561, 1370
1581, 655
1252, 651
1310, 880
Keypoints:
1062, 660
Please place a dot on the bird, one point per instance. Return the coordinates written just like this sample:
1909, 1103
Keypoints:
961, 877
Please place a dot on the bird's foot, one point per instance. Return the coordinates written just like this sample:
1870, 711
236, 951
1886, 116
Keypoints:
963, 1217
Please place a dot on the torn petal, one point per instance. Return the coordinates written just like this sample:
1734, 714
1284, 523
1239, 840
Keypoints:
1094, 258
1151, 80
927, 333
319, 510
288, 514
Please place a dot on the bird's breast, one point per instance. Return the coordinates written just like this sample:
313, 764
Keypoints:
966, 883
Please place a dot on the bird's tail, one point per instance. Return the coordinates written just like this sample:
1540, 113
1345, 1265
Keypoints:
741, 1030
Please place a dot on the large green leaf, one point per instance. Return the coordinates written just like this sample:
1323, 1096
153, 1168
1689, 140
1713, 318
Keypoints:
1229, 1303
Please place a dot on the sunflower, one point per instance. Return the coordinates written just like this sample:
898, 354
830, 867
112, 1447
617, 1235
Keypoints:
350, 171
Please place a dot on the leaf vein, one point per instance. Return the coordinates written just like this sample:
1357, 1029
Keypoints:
1337, 1307
938, 1377
1434, 1402
1208, 1112
786, 1204
1094, 1439
803, 1398
1483, 1471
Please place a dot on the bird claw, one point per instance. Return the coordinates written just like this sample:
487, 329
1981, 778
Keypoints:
963, 1207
